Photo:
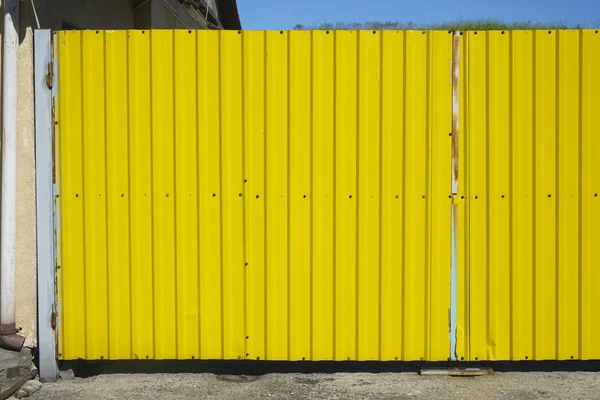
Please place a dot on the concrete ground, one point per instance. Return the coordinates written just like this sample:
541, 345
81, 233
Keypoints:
531, 385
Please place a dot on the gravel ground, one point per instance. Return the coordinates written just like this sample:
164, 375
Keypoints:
531, 385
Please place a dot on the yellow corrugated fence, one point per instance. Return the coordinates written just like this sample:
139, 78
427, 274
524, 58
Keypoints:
254, 195
287, 195
528, 201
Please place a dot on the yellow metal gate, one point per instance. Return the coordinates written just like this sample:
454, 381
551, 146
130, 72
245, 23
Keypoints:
529, 211
288, 195
254, 195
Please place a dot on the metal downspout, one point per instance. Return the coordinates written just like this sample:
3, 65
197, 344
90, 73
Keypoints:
8, 337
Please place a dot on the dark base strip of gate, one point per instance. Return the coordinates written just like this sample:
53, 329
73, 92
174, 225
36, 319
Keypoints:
86, 368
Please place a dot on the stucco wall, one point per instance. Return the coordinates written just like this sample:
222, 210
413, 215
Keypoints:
25, 285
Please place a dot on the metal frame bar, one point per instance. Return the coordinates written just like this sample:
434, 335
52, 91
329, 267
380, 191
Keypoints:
455, 180
44, 85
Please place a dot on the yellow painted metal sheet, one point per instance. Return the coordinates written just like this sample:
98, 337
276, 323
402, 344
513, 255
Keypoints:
254, 195
529, 195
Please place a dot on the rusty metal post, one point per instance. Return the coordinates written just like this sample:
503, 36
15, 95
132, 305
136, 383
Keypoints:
454, 228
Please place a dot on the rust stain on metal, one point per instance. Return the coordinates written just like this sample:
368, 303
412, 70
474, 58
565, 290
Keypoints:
455, 108
53, 317
50, 75
54, 122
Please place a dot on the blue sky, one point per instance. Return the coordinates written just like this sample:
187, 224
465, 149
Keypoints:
284, 14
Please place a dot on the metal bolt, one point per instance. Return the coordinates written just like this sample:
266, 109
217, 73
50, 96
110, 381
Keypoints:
214, 195
58, 267
247, 337
348, 358
303, 358
397, 196
193, 357
239, 357
549, 195
396, 358
422, 358
122, 195
423, 196
462, 358
257, 196
595, 194
102, 357
526, 357
240, 195
462, 197
476, 197
76, 194
247, 354
258, 358
502, 196
167, 194
304, 196
60, 354
476, 358
350, 196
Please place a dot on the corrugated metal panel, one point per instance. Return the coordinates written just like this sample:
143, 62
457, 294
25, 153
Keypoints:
255, 195
529, 243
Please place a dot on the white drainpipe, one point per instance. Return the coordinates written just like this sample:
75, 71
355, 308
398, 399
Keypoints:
8, 337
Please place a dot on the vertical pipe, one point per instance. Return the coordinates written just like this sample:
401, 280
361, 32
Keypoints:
9, 177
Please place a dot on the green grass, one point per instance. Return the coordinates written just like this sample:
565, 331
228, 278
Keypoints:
476, 25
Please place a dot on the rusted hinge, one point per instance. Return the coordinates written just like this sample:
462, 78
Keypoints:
50, 75
53, 317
